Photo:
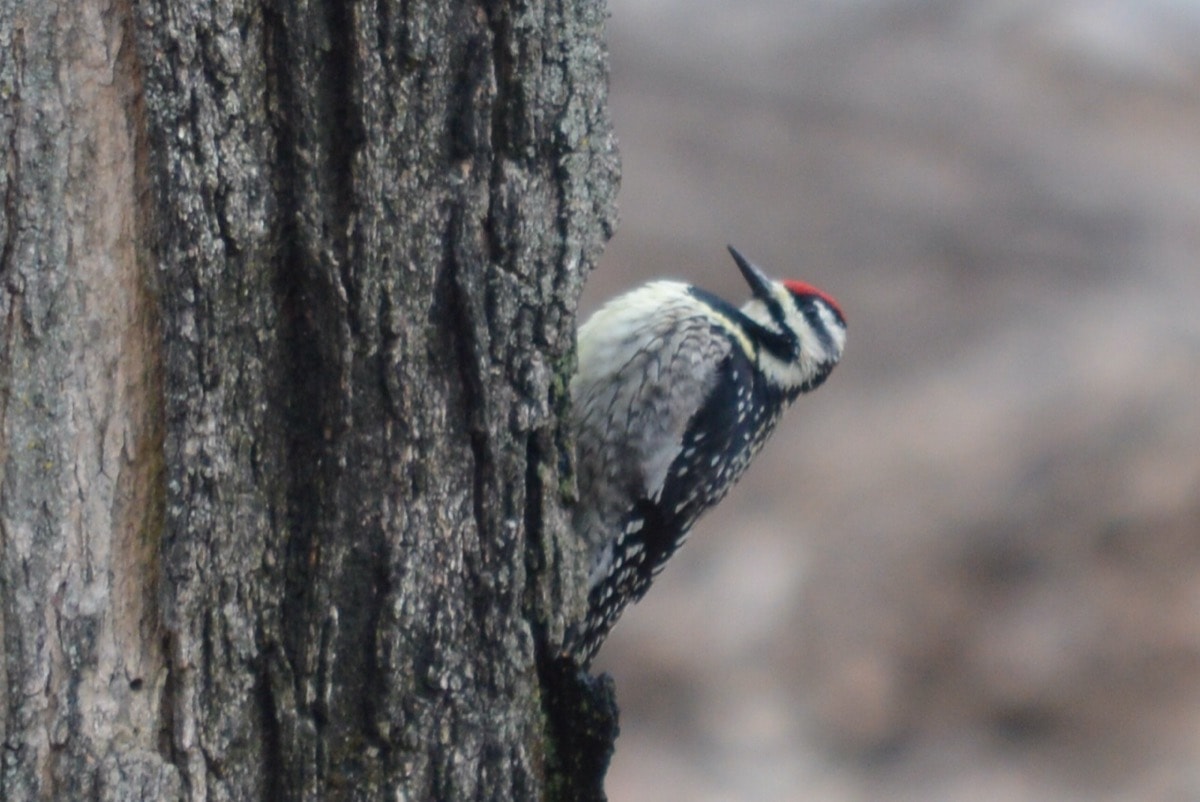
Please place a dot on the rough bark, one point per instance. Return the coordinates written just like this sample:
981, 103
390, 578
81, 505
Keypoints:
288, 295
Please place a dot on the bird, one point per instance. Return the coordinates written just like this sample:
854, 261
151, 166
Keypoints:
675, 393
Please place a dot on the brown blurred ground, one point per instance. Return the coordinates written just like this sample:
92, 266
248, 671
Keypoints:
968, 567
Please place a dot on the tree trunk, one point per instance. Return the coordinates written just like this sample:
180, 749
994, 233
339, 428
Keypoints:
288, 300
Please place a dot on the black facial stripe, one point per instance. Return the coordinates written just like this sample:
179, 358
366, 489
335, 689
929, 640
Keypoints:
776, 310
784, 347
813, 316
809, 307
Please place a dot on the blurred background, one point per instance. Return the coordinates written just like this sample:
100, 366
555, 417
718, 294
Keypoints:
969, 566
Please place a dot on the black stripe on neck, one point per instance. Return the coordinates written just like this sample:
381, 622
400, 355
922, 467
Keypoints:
778, 344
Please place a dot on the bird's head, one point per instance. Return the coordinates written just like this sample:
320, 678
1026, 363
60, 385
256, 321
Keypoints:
800, 330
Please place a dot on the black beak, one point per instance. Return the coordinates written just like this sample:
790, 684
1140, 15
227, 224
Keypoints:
760, 285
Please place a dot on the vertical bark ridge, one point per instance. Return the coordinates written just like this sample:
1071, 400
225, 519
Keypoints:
214, 201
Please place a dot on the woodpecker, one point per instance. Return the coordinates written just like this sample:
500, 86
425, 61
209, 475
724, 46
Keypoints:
676, 392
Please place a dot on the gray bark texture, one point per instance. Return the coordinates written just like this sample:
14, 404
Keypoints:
288, 294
